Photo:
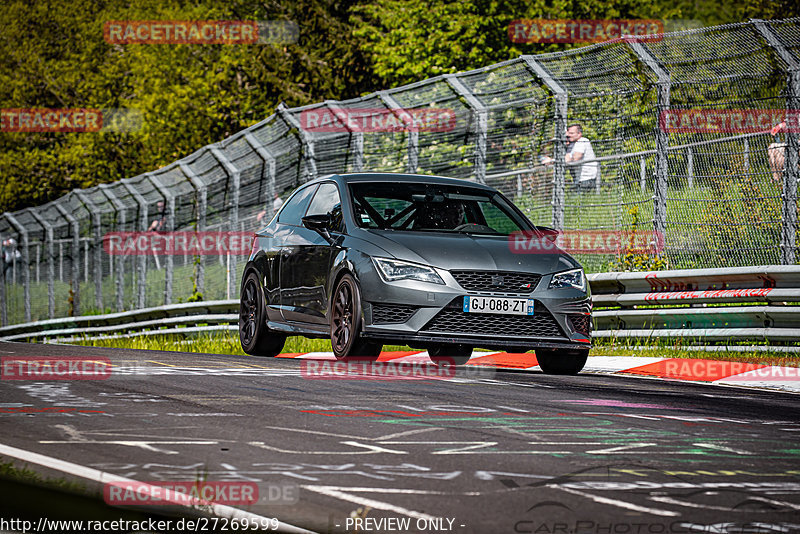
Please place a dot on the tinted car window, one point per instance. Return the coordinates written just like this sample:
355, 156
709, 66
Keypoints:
428, 207
327, 201
294, 209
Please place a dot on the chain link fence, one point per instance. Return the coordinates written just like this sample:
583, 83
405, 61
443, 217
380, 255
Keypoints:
719, 196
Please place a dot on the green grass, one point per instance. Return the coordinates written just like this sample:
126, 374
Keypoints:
229, 344
217, 343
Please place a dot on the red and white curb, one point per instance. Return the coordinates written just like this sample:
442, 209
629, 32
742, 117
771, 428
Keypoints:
692, 370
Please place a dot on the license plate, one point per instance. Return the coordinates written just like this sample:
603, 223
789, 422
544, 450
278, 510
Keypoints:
500, 305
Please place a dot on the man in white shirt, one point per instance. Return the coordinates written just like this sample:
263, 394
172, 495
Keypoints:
579, 148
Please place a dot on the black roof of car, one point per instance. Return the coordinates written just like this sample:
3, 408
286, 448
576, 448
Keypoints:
403, 177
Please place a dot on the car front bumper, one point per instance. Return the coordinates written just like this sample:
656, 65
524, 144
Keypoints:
422, 314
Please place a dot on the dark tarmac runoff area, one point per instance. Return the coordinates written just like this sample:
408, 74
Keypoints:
463, 451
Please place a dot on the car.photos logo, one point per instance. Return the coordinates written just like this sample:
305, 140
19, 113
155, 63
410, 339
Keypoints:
380, 120
200, 32
586, 242
42, 368
582, 31
728, 120
177, 243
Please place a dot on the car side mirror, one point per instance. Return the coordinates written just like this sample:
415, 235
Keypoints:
551, 234
319, 223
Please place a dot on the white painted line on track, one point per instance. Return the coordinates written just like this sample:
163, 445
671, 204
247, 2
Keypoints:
618, 503
337, 493
219, 510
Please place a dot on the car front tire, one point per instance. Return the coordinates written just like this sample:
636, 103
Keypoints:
562, 362
255, 337
346, 323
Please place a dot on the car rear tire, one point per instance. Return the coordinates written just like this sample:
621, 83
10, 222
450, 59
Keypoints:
346, 323
446, 355
562, 362
255, 337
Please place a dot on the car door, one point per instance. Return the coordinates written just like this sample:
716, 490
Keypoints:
306, 263
286, 236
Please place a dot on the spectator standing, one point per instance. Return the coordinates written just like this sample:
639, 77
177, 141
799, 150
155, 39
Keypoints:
579, 148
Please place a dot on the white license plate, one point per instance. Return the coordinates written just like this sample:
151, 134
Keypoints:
501, 305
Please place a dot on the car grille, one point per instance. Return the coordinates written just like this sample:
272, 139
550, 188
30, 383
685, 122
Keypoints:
497, 281
391, 313
581, 323
455, 321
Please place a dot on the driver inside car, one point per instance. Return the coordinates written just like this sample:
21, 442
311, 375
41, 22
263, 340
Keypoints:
446, 215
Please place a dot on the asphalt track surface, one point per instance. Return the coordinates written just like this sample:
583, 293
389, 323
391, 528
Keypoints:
474, 451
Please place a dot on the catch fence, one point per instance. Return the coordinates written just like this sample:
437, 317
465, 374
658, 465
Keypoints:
719, 194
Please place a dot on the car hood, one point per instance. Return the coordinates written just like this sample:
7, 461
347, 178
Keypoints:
467, 251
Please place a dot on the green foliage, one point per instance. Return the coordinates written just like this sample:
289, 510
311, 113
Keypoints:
744, 210
409, 40
53, 55
630, 258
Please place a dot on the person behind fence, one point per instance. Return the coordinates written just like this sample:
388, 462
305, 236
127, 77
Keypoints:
11, 253
277, 202
160, 222
777, 152
579, 148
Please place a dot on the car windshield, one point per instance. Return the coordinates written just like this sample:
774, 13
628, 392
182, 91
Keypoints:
418, 207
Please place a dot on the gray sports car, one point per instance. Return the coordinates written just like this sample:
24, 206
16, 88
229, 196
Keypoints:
372, 259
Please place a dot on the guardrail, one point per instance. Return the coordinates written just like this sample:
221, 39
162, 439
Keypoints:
700, 306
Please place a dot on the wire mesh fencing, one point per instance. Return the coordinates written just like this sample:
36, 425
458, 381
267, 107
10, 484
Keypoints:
693, 134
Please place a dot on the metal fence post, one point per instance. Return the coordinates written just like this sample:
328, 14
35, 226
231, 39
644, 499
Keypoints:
201, 192
51, 275
235, 175
119, 289
790, 172
663, 85
560, 116
26, 275
481, 125
412, 147
141, 260
3, 308
76, 259
268, 172
169, 198
306, 140
356, 136
98, 244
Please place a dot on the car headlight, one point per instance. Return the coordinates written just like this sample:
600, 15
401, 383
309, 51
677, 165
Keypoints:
394, 270
574, 278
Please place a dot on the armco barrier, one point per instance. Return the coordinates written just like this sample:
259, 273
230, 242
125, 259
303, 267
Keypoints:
759, 303
706, 305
